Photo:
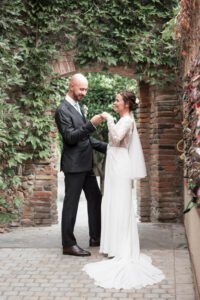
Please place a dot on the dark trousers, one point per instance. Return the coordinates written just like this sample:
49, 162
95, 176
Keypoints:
74, 183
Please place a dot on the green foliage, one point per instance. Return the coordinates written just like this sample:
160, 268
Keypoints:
101, 94
7, 211
31, 33
26, 97
168, 33
118, 32
11, 136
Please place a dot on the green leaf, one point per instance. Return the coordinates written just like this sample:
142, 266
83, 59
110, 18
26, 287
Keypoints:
16, 180
4, 217
17, 202
12, 162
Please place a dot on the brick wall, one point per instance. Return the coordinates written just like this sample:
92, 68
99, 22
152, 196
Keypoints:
166, 175
159, 124
144, 117
40, 190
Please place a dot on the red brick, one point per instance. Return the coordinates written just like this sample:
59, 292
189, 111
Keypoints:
42, 194
38, 199
145, 120
143, 115
167, 162
167, 141
40, 202
38, 188
170, 168
27, 222
43, 222
42, 216
44, 172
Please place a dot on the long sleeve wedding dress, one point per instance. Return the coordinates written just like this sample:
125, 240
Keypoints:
119, 236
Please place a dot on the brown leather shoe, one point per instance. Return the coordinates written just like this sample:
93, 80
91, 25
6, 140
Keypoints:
94, 243
75, 250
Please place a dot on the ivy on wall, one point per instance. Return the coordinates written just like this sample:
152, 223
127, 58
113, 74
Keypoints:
25, 98
32, 32
126, 32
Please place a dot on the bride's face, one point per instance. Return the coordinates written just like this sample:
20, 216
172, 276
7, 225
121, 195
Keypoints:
119, 104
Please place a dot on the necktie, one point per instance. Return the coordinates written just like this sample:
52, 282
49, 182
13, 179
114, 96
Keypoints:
77, 108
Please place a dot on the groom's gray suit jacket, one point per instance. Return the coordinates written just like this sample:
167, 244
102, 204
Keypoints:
77, 154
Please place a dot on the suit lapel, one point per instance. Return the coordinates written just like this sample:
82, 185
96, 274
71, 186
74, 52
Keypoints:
83, 116
74, 111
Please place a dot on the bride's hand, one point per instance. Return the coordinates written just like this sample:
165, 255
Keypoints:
105, 115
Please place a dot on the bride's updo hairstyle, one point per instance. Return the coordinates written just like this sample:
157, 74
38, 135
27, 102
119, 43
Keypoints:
129, 97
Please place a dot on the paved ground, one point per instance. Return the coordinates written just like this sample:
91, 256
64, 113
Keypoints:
32, 265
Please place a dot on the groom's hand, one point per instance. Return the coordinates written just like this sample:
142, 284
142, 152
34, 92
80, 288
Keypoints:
96, 120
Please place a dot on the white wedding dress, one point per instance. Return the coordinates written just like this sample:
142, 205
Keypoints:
119, 236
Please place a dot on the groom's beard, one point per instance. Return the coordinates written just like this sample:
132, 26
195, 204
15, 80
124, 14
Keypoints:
77, 97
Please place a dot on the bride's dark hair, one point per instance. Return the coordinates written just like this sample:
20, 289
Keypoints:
129, 97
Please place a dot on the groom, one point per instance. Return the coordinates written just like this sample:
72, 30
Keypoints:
77, 164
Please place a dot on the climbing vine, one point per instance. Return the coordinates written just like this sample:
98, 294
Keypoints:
126, 32
32, 32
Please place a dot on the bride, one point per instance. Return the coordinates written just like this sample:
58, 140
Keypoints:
126, 267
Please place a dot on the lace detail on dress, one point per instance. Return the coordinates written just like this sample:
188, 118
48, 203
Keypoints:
120, 133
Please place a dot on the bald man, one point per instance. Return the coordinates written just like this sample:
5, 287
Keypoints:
77, 165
